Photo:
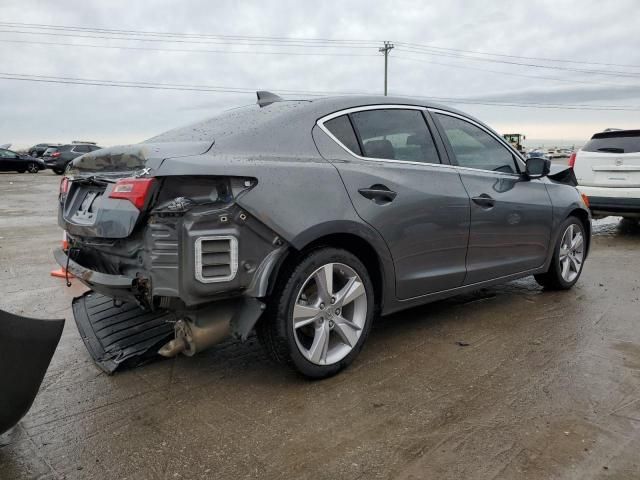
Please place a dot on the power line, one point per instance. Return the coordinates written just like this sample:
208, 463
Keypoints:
187, 35
533, 65
545, 59
224, 89
500, 72
185, 50
198, 42
300, 39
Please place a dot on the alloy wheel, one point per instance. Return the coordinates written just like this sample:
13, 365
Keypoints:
33, 168
329, 314
571, 253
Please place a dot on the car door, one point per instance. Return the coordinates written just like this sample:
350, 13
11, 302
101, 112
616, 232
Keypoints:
398, 184
7, 161
510, 215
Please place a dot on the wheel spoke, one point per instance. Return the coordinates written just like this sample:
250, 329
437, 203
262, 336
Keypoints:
352, 290
320, 345
577, 242
304, 315
576, 263
324, 282
565, 268
347, 331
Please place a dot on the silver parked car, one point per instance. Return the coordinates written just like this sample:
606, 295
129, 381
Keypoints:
302, 220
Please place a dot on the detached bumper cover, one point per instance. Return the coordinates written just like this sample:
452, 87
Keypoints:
118, 336
26, 348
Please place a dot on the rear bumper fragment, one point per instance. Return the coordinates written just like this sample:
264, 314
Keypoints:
116, 286
124, 335
26, 348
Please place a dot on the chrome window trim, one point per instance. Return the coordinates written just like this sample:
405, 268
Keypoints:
320, 124
233, 258
346, 111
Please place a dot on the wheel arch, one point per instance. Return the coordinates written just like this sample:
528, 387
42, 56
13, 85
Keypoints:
360, 240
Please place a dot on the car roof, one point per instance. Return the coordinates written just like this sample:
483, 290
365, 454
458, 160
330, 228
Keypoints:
610, 133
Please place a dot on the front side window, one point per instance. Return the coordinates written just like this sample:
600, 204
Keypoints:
395, 134
475, 148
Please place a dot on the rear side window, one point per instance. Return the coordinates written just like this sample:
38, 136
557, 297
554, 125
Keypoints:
395, 134
475, 148
614, 142
341, 128
81, 148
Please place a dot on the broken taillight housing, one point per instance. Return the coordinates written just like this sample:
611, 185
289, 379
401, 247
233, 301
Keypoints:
64, 186
136, 190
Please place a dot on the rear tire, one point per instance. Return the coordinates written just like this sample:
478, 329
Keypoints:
32, 168
319, 314
568, 257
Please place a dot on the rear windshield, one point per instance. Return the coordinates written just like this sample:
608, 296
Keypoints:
614, 142
51, 150
228, 123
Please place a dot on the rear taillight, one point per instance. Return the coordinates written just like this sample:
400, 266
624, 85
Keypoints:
64, 185
55, 154
133, 189
572, 160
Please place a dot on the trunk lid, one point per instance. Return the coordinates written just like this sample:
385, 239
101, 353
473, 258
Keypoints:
610, 159
608, 169
87, 210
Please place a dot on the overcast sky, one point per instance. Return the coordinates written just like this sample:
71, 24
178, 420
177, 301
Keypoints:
589, 31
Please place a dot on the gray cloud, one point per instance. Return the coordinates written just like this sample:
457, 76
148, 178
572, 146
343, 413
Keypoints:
587, 30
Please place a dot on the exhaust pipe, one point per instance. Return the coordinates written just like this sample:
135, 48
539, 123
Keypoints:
200, 330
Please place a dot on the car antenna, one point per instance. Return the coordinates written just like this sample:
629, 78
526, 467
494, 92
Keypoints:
267, 98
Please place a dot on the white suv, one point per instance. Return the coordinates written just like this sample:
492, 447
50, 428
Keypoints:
608, 172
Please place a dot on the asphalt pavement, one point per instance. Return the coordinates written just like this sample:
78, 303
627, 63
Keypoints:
511, 382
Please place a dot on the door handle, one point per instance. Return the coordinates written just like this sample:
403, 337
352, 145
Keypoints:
484, 201
380, 194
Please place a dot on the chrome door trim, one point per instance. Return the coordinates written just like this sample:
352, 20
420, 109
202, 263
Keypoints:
320, 124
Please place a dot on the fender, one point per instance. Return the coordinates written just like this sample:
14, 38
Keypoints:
366, 233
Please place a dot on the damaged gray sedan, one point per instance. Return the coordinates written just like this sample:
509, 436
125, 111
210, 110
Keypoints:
302, 220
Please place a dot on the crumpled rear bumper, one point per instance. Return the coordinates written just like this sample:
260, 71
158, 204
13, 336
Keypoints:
115, 286
26, 348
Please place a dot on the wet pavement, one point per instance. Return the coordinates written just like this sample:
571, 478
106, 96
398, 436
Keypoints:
548, 386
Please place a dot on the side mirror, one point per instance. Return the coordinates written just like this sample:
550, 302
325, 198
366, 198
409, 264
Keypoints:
538, 167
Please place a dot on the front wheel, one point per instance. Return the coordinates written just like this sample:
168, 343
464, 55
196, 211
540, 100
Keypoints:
320, 313
568, 257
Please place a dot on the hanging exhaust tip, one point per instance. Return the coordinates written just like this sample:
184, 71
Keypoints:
173, 348
208, 327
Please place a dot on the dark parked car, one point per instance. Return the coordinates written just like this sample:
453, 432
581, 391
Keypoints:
58, 157
304, 219
11, 161
38, 150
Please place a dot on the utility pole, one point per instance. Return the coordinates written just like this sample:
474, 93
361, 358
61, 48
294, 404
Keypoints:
388, 46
